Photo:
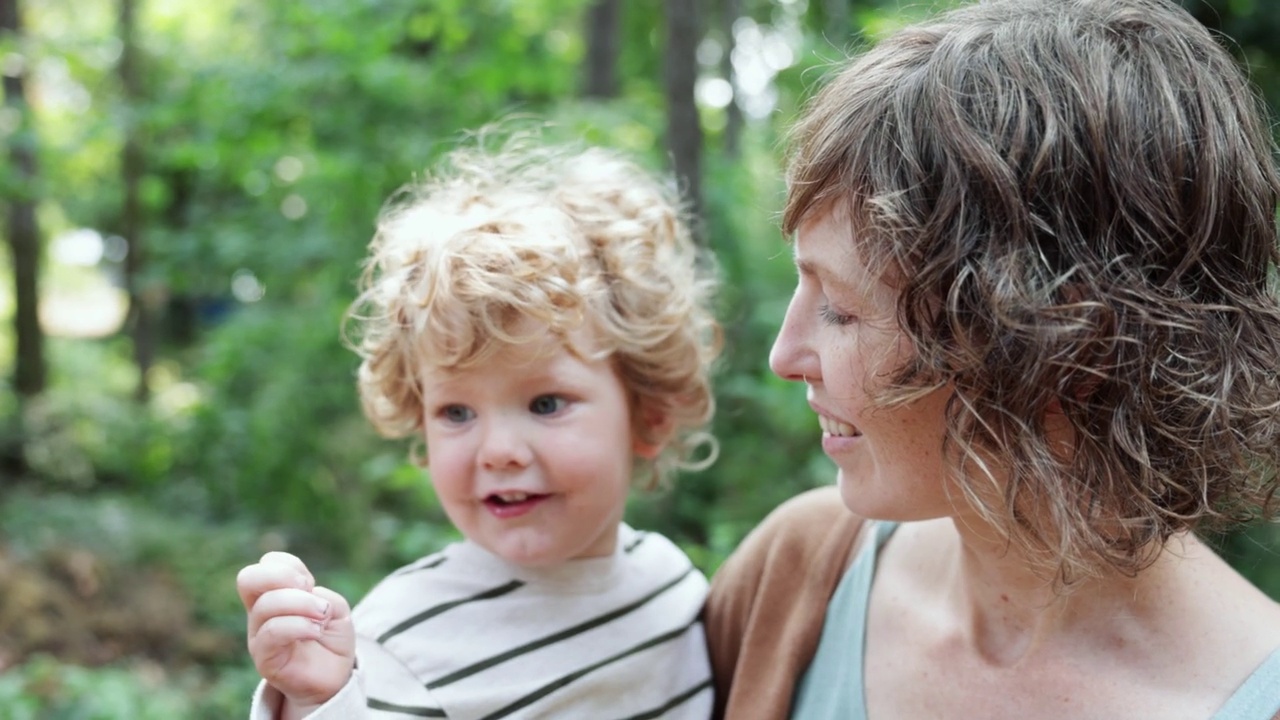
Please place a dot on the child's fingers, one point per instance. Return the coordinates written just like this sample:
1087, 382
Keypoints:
339, 634
275, 570
339, 609
284, 602
289, 560
278, 634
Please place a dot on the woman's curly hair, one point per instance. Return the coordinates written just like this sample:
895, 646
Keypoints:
498, 247
1076, 200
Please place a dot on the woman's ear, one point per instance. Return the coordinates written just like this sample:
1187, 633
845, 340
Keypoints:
653, 430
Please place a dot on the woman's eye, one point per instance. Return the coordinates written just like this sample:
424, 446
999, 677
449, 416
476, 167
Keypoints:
456, 413
832, 316
547, 405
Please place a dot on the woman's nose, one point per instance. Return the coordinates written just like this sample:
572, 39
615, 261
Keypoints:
792, 357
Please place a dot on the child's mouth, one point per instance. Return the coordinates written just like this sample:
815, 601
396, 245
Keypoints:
512, 504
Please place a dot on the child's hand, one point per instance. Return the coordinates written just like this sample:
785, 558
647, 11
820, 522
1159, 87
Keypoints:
300, 636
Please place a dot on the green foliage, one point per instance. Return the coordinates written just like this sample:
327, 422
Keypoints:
171, 532
45, 689
1255, 552
272, 134
88, 431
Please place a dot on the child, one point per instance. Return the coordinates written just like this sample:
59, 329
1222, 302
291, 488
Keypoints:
540, 318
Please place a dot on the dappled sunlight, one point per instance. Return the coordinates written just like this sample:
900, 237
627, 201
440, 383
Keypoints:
269, 135
94, 311
78, 298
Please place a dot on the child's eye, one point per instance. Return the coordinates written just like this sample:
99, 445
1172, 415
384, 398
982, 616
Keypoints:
832, 316
547, 405
456, 413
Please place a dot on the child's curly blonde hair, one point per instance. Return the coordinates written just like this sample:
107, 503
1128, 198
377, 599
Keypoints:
496, 248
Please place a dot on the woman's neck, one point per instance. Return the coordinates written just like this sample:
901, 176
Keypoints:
994, 601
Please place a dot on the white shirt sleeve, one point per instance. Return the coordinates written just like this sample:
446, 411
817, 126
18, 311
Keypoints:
380, 688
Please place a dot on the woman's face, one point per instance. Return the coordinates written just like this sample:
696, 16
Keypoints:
840, 337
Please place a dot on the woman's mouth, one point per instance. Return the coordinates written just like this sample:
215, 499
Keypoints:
835, 428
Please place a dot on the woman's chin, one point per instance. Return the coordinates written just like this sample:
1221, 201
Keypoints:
877, 498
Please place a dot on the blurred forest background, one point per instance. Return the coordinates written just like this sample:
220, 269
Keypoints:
188, 189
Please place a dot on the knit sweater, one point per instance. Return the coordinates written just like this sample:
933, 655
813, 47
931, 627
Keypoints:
767, 603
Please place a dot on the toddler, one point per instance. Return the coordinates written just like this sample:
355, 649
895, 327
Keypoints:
540, 316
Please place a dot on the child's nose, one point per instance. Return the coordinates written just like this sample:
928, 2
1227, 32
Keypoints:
504, 446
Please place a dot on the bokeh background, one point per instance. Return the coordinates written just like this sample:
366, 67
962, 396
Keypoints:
186, 192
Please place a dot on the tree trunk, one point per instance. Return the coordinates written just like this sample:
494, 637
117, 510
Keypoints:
131, 168
602, 49
684, 131
24, 235
730, 11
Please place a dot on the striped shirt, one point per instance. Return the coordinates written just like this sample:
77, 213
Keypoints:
463, 634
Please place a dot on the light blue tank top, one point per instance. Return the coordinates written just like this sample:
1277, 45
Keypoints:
832, 686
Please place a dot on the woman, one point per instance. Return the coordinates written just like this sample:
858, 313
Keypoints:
1035, 320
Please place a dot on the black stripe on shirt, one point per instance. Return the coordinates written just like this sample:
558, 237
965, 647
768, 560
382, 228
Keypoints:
673, 702
635, 543
426, 564
565, 634
444, 607
405, 709
555, 685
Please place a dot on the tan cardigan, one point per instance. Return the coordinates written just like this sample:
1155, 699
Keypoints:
768, 602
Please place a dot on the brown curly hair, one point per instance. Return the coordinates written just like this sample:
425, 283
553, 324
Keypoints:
1076, 201
567, 238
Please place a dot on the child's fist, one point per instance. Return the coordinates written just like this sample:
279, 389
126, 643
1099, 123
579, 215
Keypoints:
300, 636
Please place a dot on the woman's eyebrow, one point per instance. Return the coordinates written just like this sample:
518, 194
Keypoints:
827, 276
806, 267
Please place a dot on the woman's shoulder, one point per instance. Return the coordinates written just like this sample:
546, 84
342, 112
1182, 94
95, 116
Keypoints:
1252, 616
821, 504
1225, 630
808, 538
818, 502
768, 602
1220, 602
805, 521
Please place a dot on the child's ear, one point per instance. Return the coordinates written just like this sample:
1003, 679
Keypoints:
645, 450
652, 432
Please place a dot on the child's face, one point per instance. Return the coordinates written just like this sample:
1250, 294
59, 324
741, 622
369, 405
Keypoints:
531, 453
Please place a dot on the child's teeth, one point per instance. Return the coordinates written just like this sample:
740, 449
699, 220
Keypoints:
514, 497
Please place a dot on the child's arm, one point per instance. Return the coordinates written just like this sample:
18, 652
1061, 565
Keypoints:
300, 636
380, 681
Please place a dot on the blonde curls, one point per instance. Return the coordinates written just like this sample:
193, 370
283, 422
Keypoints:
567, 238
